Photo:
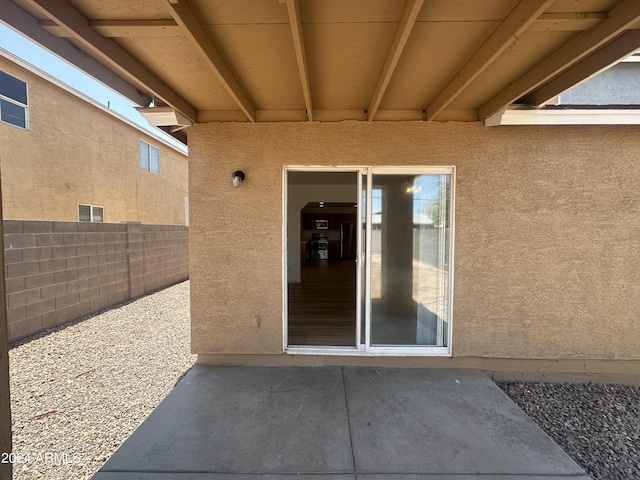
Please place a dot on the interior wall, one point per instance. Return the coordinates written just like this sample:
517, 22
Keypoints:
547, 263
298, 197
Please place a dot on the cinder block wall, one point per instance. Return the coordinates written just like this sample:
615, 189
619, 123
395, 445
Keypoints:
58, 271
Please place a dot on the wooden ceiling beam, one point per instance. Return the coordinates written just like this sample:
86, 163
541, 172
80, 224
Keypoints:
192, 29
407, 21
122, 28
520, 18
570, 21
622, 17
293, 8
610, 54
109, 53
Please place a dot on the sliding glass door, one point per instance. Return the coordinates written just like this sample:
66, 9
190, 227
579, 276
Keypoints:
403, 219
361, 270
409, 259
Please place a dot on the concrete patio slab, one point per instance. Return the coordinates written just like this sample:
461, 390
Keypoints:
241, 420
264, 423
444, 421
220, 476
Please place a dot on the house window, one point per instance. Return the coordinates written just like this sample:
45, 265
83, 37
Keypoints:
13, 101
149, 157
90, 213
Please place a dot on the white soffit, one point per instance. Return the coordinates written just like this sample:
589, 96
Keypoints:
565, 117
164, 116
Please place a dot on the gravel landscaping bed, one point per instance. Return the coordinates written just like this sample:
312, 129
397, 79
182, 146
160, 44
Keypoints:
597, 425
78, 391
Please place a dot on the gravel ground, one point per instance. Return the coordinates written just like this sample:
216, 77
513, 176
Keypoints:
597, 425
79, 391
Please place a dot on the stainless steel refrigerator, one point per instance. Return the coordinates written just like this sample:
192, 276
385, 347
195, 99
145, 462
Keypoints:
347, 240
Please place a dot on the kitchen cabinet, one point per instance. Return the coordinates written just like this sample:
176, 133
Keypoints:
334, 219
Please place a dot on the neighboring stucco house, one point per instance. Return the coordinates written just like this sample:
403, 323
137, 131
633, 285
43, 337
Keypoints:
618, 85
95, 207
511, 249
65, 157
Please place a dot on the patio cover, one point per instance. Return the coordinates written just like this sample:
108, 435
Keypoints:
332, 60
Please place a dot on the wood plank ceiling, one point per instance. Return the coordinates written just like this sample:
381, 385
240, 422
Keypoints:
333, 60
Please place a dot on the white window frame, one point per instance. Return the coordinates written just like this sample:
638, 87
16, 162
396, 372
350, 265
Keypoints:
91, 207
17, 103
148, 148
367, 349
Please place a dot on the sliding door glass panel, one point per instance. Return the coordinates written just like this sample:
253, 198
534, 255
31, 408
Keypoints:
361, 258
410, 244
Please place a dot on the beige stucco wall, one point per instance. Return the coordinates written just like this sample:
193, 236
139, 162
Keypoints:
547, 257
74, 153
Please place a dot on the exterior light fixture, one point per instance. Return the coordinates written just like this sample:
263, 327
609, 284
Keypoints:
238, 178
321, 204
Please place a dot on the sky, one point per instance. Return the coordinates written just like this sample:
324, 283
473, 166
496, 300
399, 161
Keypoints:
425, 190
54, 66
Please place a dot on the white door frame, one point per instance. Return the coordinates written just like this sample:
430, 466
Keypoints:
366, 349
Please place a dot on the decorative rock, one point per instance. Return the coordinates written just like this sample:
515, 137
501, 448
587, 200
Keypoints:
78, 391
597, 425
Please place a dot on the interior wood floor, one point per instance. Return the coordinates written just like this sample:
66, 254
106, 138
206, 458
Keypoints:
322, 308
